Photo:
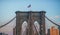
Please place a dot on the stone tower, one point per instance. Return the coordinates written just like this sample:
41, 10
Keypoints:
30, 17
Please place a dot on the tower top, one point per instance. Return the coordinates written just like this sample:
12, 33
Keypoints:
30, 11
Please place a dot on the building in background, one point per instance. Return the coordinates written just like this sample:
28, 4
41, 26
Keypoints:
48, 32
3, 34
53, 31
14, 31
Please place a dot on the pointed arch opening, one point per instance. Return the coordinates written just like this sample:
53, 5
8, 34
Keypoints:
24, 26
37, 27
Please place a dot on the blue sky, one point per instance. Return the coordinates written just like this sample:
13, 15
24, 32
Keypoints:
9, 7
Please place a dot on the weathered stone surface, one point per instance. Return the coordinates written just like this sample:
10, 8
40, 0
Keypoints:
30, 17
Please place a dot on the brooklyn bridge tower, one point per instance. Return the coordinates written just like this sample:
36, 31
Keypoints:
30, 17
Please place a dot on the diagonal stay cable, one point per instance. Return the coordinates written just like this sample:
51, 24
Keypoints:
36, 29
8, 22
51, 21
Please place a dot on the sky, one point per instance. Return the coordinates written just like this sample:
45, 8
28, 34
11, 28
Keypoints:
9, 7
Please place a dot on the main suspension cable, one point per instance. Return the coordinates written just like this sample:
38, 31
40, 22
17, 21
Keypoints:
8, 22
51, 21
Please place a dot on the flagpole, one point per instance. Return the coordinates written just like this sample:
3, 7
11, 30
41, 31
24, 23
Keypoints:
30, 8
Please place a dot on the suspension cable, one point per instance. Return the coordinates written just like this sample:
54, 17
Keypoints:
51, 21
36, 29
8, 22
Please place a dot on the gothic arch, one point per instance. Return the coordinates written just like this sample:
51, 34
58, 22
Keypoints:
37, 26
24, 26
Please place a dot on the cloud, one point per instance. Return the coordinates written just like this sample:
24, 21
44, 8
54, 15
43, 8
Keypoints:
57, 16
59, 23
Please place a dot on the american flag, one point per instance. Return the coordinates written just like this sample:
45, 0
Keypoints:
29, 6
